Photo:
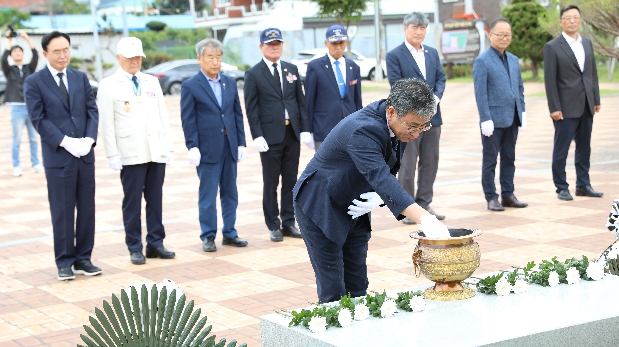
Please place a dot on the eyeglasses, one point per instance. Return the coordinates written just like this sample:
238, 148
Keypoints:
569, 18
421, 128
58, 53
502, 36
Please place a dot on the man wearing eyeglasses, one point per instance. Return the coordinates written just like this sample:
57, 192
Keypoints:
499, 93
573, 95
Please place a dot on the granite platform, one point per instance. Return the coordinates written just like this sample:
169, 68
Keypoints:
584, 314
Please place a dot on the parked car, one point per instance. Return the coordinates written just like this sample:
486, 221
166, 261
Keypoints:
172, 73
366, 65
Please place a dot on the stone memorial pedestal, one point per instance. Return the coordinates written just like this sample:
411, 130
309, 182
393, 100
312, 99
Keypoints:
584, 314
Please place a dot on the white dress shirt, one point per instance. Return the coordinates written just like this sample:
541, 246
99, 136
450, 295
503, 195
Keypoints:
419, 57
342, 61
577, 48
57, 79
281, 76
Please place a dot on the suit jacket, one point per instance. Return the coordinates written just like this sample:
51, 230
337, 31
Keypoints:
357, 157
204, 120
567, 88
137, 132
265, 104
325, 106
401, 64
497, 93
54, 118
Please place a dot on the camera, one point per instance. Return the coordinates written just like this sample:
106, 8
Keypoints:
13, 32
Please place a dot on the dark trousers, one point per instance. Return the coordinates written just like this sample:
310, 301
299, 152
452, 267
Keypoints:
566, 130
339, 269
502, 140
68, 188
148, 179
424, 148
282, 159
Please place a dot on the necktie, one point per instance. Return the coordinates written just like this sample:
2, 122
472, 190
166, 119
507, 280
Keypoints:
278, 79
135, 81
340, 79
63, 87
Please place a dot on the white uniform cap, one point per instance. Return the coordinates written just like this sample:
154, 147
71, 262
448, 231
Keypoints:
130, 47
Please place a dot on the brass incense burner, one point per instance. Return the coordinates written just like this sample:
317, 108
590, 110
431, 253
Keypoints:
447, 262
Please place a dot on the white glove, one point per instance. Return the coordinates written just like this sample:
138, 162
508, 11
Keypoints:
487, 128
115, 163
524, 121
437, 101
85, 144
72, 145
260, 144
170, 158
242, 151
194, 156
359, 208
433, 228
307, 139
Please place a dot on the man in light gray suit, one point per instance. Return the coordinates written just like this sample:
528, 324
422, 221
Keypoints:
499, 93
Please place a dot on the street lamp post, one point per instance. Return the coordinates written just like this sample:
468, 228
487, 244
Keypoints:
378, 70
95, 32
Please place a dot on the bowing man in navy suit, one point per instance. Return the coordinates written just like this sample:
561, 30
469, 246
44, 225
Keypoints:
332, 86
213, 125
359, 159
62, 108
412, 59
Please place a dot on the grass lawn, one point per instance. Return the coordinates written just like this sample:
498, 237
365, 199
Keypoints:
365, 88
602, 92
527, 76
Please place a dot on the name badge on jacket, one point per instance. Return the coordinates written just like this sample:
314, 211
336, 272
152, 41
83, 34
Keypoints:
151, 94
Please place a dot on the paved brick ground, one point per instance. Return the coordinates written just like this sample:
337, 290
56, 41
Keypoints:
234, 287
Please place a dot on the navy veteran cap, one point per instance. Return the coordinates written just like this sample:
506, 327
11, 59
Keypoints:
271, 34
336, 33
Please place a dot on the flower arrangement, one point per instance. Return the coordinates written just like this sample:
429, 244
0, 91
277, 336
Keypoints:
168, 284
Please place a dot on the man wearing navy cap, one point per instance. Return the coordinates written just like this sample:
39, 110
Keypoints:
277, 117
332, 86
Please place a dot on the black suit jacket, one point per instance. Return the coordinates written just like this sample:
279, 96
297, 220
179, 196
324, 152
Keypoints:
567, 88
265, 104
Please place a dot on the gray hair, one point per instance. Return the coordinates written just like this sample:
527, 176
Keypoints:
415, 18
412, 95
209, 43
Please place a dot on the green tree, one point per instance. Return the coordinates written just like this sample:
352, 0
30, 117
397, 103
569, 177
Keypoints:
13, 16
178, 6
601, 18
70, 7
345, 12
156, 25
529, 33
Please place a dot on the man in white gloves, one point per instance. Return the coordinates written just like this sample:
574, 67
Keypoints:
352, 173
137, 140
499, 93
213, 126
278, 122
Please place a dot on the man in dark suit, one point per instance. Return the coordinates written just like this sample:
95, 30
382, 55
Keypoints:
62, 108
277, 117
332, 86
573, 95
360, 159
213, 125
412, 59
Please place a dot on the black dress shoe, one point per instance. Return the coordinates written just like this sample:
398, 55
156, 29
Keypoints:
276, 235
495, 205
292, 232
234, 241
65, 273
137, 258
512, 201
208, 245
565, 195
588, 191
438, 216
85, 267
159, 252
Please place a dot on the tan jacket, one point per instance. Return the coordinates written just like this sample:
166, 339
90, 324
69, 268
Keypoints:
135, 128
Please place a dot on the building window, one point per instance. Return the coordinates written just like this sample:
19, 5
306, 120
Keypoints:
223, 2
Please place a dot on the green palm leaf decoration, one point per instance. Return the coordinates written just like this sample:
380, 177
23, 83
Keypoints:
161, 322
613, 266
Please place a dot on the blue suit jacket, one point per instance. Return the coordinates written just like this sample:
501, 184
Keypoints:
355, 158
496, 93
54, 118
204, 120
401, 64
325, 106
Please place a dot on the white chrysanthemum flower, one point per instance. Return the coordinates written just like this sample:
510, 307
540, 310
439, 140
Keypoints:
595, 270
170, 286
503, 287
520, 286
344, 317
362, 312
417, 303
553, 279
534, 268
318, 324
393, 296
573, 276
138, 288
388, 308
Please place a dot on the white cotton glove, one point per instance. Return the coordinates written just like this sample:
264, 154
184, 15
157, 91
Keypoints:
437, 100
193, 157
170, 158
487, 128
72, 145
433, 228
524, 121
85, 145
260, 144
115, 163
308, 139
359, 208
242, 151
